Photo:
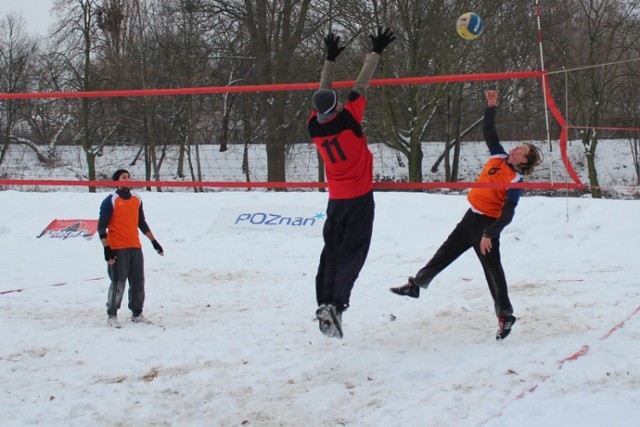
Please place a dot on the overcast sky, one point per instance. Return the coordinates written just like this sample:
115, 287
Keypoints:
36, 13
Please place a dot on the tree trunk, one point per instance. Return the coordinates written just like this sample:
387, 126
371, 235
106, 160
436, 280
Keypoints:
590, 153
91, 168
276, 138
415, 160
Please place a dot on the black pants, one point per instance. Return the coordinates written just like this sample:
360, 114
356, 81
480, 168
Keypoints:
129, 266
347, 237
468, 234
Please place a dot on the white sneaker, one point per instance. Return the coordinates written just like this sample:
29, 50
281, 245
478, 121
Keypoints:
112, 322
140, 319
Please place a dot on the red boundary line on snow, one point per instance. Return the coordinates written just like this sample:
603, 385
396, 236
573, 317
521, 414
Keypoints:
575, 356
576, 184
620, 325
53, 284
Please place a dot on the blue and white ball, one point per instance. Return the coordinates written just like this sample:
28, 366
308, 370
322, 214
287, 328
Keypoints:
469, 26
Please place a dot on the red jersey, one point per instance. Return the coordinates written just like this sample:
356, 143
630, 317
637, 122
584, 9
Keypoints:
342, 144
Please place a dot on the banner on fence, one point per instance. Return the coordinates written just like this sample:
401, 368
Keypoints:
275, 219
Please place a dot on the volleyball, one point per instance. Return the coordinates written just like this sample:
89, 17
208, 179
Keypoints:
469, 26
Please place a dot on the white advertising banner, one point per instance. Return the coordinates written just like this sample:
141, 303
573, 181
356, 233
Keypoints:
275, 219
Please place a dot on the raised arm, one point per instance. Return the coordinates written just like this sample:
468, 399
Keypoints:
333, 50
380, 41
489, 125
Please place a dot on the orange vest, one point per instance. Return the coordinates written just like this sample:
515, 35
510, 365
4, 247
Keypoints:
490, 201
123, 226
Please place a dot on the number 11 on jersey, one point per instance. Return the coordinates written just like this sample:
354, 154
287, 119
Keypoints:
330, 146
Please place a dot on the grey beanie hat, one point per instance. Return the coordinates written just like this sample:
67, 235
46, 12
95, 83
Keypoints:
324, 102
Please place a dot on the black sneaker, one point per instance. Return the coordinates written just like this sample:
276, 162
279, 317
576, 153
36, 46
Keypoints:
505, 323
330, 320
410, 289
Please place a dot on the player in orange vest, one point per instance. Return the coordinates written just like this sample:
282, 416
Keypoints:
336, 131
491, 210
121, 215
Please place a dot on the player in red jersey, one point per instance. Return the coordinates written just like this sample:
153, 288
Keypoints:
491, 210
336, 131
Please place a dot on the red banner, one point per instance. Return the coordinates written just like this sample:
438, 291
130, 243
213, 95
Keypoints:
66, 228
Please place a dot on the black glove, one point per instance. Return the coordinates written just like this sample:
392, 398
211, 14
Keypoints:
157, 247
333, 50
382, 40
109, 253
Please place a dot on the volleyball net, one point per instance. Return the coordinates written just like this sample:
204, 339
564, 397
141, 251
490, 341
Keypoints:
228, 170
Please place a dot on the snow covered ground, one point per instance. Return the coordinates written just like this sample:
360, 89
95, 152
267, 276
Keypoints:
235, 343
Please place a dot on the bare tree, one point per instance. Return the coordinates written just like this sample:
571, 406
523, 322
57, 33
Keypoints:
592, 43
428, 45
276, 31
17, 51
79, 44
122, 44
